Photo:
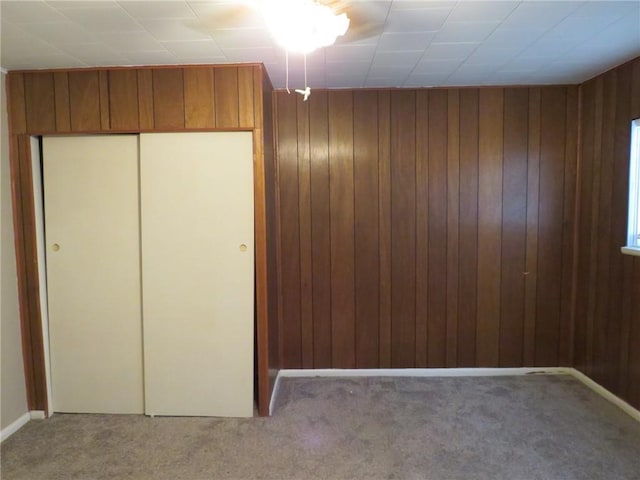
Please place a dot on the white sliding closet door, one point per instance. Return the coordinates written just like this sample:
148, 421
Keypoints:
197, 268
93, 273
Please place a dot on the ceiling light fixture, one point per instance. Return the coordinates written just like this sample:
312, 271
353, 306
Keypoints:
302, 26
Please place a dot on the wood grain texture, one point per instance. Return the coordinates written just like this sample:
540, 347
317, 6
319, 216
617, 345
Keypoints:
606, 338
226, 97
136, 99
304, 208
403, 227
320, 228
365, 152
437, 238
123, 99
289, 230
245, 97
453, 220
384, 224
61, 92
145, 99
514, 225
84, 98
199, 105
490, 159
468, 268
341, 198
422, 229
168, 98
40, 102
16, 105
434, 172
105, 118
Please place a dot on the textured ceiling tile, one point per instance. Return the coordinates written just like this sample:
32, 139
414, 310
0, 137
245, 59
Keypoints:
264, 55
514, 37
419, 20
166, 9
60, 32
482, 11
350, 53
432, 67
103, 19
465, 31
242, 38
29, 12
450, 51
131, 41
397, 41
172, 31
396, 58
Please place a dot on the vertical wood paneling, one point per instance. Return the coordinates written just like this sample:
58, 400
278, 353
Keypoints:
84, 98
145, 99
40, 102
514, 218
437, 238
468, 269
16, 103
123, 99
531, 254
320, 228
168, 98
403, 226
245, 97
618, 349
489, 225
63, 114
422, 227
289, 230
384, 224
32, 300
567, 307
552, 149
342, 228
304, 208
105, 119
606, 339
445, 215
453, 218
226, 97
199, 105
365, 152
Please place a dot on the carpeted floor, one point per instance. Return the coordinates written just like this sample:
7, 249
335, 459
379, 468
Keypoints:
512, 428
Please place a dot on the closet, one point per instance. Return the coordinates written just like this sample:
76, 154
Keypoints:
150, 272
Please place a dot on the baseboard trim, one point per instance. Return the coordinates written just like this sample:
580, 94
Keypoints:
604, 393
422, 372
274, 394
37, 415
455, 372
15, 426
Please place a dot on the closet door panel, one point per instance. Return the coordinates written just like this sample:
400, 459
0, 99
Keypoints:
197, 268
93, 273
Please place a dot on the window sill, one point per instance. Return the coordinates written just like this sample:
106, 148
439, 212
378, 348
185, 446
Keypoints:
635, 251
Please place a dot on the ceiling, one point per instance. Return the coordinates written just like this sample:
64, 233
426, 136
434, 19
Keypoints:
413, 43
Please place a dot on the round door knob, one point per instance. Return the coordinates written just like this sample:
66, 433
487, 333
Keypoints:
243, 247
55, 247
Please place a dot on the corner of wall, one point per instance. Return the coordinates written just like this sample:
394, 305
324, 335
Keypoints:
13, 395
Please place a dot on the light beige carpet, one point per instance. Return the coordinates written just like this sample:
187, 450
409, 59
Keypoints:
511, 428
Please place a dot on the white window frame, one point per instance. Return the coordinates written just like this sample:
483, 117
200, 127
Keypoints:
633, 230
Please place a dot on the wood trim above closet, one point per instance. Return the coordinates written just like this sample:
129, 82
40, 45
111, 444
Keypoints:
140, 99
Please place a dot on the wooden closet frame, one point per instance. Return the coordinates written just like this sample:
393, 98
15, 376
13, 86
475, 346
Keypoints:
140, 100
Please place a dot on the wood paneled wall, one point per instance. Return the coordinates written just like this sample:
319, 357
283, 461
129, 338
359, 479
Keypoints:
141, 100
427, 228
607, 341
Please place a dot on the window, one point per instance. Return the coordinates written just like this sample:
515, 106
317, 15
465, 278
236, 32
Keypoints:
633, 232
